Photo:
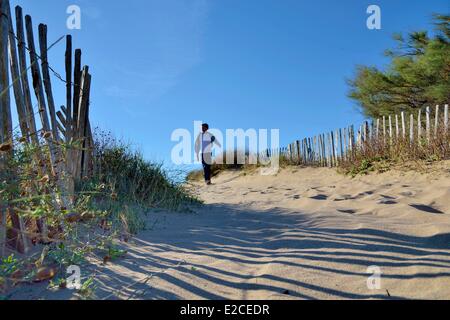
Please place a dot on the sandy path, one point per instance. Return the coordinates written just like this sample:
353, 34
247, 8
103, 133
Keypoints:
304, 234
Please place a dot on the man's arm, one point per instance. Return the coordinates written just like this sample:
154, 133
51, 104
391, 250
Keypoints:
214, 140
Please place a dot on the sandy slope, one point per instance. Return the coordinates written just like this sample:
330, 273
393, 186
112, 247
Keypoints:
304, 234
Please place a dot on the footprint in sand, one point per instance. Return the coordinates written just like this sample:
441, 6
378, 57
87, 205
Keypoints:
427, 209
349, 211
362, 195
367, 193
320, 197
344, 197
387, 200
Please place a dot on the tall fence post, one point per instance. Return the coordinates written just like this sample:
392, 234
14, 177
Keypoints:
76, 87
333, 147
397, 127
82, 119
446, 117
31, 121
5, 113
377, 129
419, 127
68, 69
436, 122
403, 125
46, 80
5, 107
15, 76
428, 125
391, 134
299, 157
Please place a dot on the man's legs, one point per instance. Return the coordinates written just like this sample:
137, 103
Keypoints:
206, 161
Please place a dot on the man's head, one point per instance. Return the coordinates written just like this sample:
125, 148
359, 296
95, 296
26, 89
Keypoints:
205, 127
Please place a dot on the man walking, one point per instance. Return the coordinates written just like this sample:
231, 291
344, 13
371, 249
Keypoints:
204, 145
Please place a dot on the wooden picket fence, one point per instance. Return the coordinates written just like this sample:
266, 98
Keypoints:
331, 148
67, 132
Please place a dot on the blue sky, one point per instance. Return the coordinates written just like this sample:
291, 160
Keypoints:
160, 65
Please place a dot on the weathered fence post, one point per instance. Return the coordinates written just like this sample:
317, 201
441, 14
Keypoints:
333, 148
377, 129
76, 88
46, 80
397, 128
419, 127
403, 125
319, 150
366, 133
15, 76
428, 128
68, 113
351, 137
446, 117
5, 107
324, 150
390, 130
82, 118
436, 122
336, 146
5, 114
23, 72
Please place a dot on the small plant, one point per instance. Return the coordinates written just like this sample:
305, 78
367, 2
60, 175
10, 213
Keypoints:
59, 283
65, 256
8, 266
110, 251
87, 290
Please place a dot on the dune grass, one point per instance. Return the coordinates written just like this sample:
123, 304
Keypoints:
111, 204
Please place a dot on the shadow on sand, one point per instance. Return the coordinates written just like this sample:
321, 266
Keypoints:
248, 236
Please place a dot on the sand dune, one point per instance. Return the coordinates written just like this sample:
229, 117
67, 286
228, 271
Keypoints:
303, 234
